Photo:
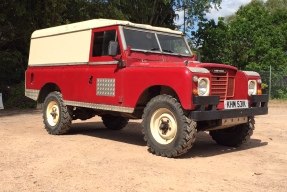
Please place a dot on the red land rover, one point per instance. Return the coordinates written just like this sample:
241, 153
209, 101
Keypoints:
120, 70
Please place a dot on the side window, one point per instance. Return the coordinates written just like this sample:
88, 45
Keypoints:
101, 42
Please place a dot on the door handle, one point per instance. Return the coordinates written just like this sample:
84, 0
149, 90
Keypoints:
91, 80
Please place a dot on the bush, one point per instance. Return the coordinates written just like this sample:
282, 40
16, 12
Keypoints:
279, 93
14, 97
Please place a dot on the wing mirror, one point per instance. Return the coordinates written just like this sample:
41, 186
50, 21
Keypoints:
113, 51
113, 48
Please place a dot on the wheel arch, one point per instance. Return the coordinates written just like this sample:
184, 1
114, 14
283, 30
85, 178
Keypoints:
154, 91
45, 90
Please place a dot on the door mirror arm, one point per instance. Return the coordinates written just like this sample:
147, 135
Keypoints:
120, 61
113, 51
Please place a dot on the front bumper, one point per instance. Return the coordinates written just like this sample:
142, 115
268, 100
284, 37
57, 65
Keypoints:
206, 108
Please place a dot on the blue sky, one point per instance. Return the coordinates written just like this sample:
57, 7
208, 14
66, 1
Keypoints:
228, 7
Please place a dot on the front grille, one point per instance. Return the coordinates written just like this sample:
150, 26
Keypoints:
222, 85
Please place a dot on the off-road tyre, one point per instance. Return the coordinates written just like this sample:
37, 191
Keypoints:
234, 136
114, 122
167, 130
56, 115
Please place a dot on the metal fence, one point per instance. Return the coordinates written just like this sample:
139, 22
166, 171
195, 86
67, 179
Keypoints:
274, 83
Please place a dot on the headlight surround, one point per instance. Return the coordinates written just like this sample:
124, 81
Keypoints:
203, 86
259, 81
252, 87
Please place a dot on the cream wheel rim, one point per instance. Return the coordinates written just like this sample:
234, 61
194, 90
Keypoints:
163, 126
52, 113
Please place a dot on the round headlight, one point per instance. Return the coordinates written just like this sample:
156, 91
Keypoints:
252, 87
203, 87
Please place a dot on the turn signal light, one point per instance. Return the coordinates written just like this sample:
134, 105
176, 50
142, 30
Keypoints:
259, 92
195, 92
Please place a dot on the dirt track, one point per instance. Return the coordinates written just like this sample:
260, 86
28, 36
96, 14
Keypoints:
92, 158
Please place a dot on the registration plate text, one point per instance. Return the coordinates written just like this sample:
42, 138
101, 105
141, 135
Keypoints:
235, 104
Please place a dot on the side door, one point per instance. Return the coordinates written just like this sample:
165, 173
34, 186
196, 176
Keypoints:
104, 74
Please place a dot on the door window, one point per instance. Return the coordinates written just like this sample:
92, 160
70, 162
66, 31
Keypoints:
101, 42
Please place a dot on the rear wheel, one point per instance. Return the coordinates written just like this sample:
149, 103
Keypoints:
114, 122
166, 129
56, 115
234, 136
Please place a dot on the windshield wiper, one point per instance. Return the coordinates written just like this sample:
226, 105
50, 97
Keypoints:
152, 49
170, 51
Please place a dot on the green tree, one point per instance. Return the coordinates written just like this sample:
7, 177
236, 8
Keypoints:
18, 19
274, 5
212, 40
254, 38
195, 10
152, 12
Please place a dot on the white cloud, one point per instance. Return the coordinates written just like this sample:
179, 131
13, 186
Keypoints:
228, 7
179, 20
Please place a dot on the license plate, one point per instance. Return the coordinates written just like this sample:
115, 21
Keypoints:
235, 104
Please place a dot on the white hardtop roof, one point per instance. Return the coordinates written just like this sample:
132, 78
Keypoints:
95, 23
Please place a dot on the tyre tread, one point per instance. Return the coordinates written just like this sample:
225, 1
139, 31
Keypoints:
189, 129
241, 134
65, 115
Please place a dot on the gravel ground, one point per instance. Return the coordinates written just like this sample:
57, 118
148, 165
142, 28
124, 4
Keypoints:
92, 158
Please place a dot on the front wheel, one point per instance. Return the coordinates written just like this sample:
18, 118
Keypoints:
234, 136
57, 116
167, 131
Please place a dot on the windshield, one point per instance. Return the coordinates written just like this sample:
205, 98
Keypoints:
152, 41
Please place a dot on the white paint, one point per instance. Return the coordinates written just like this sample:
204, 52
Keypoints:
63, 48
1, 103
95, 23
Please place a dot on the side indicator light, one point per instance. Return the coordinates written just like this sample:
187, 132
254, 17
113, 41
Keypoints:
259, 92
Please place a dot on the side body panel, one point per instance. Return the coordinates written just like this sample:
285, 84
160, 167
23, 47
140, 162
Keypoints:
71, 80
137, 79
105, 75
